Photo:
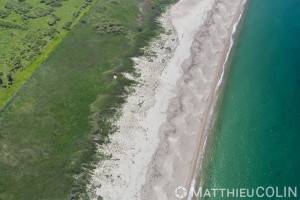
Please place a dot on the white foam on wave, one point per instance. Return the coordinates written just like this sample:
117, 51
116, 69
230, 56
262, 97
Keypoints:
198, 166
234, 28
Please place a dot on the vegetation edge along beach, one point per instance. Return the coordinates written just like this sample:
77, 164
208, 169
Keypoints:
50, 127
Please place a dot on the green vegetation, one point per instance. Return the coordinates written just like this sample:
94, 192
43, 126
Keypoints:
108, 27
50, 127
29, 30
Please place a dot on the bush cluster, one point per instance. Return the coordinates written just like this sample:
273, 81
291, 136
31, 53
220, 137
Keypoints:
18, 7
76, 14
86, 3
52, 3
67, 26
9, 78
52, 19
39, 12
1, 78
35, 40
107, 27
4, 13
11, 25
6, 81
51, 32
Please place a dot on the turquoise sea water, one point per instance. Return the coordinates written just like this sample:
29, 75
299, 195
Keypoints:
255, 140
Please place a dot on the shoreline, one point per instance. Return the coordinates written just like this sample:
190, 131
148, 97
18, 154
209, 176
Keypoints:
154, 150
194, 179
180, 136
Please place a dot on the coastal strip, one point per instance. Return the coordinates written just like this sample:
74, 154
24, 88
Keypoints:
122, 174
183, 135
161, 124
193, 181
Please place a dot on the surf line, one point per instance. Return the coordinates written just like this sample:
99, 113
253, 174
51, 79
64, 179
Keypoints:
198, 166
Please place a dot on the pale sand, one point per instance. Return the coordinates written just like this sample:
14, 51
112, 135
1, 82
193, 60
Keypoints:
161, 128
184, 134
133, 146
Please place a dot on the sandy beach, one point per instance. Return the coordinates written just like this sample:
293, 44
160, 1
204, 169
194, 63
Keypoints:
164, 123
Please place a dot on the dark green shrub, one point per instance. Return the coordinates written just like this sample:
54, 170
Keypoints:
52, 3
51, 32
4, 13
52, 19
9, 78
41, 42
108, 27
76, 14
56, 4
55, 17
17, 62
85, 4
38, 12
51, 10
67, 26
18, 7
11, 25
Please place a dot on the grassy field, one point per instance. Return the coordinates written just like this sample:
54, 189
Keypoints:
29, 30
49, 129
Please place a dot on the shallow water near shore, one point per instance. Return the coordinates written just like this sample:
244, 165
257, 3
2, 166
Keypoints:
255, 140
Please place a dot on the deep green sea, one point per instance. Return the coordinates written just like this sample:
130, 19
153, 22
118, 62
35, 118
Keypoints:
255, 140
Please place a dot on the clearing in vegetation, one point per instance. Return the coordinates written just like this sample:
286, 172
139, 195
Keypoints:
50, 127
